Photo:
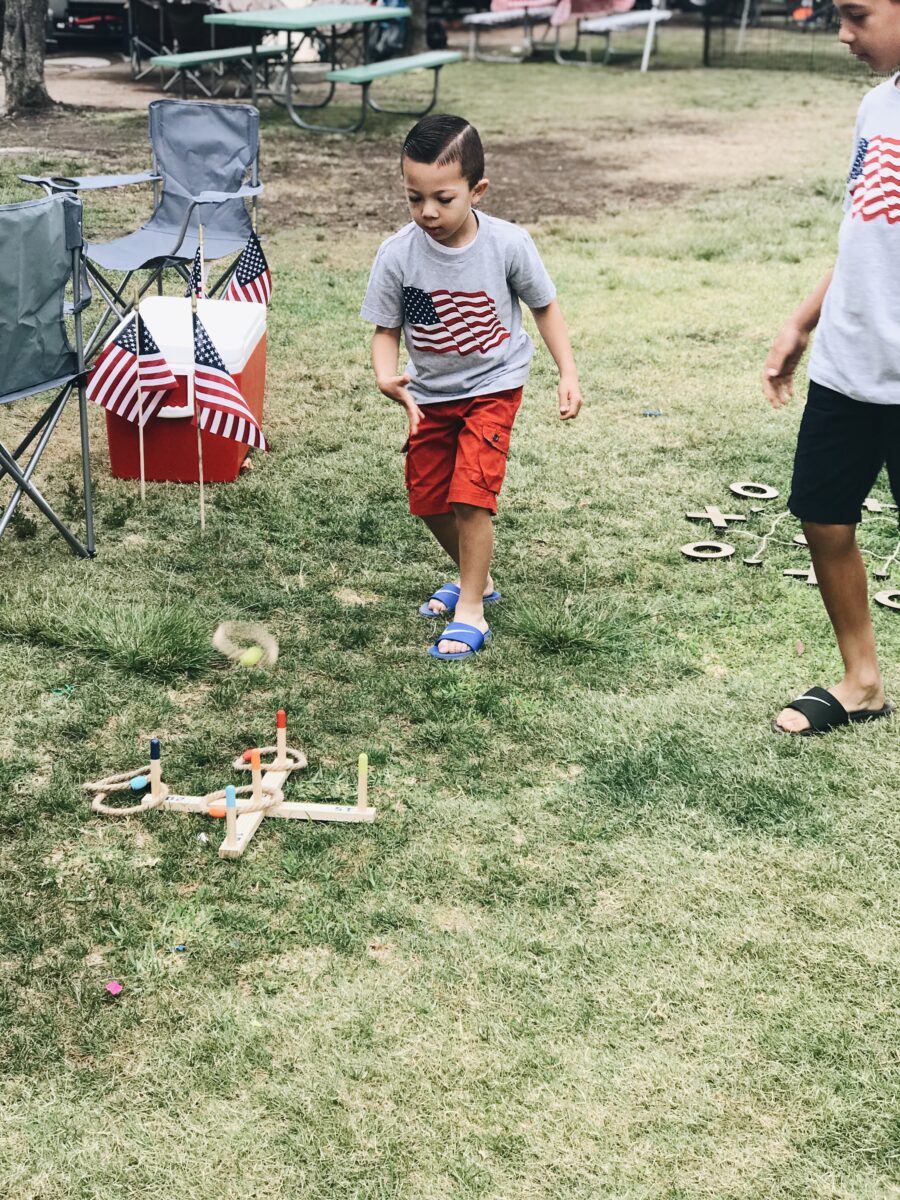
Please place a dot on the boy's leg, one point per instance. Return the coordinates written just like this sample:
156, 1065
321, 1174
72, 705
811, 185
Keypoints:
477, 478
842, 580
446, 530
476, 545
840, 451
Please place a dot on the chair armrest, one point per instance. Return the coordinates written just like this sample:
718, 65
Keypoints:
71, 309
217, 197
78, 183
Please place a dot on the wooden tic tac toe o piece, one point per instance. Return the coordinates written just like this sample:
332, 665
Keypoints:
707, 550
753, 491
889, 599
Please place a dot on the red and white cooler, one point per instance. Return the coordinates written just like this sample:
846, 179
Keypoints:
238, 331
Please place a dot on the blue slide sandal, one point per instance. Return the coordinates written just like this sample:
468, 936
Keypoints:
459, 632
448, 596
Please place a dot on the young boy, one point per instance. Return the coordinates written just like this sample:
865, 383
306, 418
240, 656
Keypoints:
851, 424
451, 280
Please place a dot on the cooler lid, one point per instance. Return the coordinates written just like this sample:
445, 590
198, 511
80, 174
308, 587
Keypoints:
234, 326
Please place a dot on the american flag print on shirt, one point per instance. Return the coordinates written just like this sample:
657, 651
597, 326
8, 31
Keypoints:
252, 279
220, 407
875, 179
122, 369
445, 322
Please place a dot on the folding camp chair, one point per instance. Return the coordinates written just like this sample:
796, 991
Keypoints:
40, 253
202, 153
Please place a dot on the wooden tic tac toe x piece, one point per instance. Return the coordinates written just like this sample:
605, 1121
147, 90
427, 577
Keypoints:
808, 575
719, 519
243, 808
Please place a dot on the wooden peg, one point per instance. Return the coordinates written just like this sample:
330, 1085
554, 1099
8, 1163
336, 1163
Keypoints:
281, 736
256, 776
362, 782
155, 768
230, 818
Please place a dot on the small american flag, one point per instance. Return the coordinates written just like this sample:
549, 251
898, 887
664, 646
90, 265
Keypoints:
875, 179
252, 279
221, 408
195, 281
128, 381
452, 322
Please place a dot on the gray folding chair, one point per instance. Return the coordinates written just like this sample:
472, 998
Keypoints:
201, 155
40, 254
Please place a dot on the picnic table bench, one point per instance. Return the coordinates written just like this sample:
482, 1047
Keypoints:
603, 18
318, 25
526, 17
600, 18
368, 73
239, 58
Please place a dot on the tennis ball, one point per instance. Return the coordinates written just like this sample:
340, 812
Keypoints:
251, 656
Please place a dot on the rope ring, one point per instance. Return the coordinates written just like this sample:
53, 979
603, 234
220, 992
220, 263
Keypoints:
271, 798
109, 810
296, 760
228, 638
111, 781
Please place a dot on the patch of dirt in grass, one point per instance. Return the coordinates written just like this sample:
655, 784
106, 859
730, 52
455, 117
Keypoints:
354, 183
530, 180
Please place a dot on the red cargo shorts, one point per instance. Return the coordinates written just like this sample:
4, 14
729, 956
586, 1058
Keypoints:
458, 453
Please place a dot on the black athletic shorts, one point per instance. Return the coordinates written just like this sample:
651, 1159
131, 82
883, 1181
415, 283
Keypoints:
841, 448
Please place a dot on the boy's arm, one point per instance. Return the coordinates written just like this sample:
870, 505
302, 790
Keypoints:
385, 352
552, 328
789, 344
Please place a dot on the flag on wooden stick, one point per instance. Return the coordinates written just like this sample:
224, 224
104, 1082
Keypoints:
131, 378
252, 279
218, 404
196, 285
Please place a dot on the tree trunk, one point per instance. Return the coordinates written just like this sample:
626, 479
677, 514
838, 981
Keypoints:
24, 39
418, 22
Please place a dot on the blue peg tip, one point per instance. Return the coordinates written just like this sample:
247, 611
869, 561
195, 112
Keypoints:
154, 749
139, 783
230, 797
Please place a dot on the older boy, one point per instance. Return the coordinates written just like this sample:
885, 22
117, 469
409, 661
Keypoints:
851, 424
451, 280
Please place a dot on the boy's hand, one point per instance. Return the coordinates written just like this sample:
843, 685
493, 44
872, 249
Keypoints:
570, 400
779, 367
394, 387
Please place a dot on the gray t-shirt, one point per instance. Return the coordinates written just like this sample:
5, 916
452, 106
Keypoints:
857, 344
459, 308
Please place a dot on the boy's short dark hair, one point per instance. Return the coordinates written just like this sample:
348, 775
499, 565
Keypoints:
442, 138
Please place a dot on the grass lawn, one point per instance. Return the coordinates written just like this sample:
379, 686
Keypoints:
610, 938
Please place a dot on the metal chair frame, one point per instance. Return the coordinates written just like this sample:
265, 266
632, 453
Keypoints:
119, 298
37, 439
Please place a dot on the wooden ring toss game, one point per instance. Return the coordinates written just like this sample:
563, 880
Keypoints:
244, 807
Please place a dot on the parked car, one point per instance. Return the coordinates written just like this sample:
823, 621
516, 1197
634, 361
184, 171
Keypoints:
87, 20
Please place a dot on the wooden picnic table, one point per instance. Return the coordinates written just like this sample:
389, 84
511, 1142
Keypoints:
318, 22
